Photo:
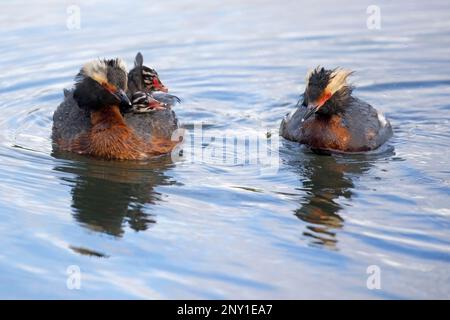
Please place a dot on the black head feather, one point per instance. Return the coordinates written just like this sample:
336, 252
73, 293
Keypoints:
90, 84
91, 96
116, 73
317, 82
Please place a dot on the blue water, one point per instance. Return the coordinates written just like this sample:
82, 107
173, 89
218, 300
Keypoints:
306, 226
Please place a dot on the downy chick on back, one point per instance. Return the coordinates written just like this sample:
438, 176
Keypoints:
90, 120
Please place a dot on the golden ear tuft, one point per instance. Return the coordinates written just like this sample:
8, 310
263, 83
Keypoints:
97, 70
338, 80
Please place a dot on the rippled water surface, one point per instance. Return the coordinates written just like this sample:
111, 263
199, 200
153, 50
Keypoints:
208, 228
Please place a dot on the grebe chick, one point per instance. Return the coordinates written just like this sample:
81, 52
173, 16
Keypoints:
152, 113
146, 90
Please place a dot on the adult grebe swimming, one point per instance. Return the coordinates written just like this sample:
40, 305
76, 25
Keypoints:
329, 118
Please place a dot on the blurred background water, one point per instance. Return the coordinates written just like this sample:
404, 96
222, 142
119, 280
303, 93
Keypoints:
206, 229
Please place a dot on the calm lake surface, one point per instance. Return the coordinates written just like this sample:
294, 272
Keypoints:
205, 226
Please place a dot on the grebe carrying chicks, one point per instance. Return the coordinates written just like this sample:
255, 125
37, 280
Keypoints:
98, 119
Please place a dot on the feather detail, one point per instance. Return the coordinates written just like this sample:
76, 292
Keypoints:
338, 80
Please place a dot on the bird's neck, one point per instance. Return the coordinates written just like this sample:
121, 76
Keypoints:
111, 138
107, 117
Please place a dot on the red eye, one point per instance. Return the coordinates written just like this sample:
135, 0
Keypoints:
156, 83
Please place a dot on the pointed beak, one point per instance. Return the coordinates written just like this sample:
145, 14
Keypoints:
122, 97
310, 110
158, 85
125, 103
163, 88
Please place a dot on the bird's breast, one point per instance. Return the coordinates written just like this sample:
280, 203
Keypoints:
326, 133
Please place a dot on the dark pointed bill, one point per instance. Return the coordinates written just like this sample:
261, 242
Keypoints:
148, 102
166, 98
310, 110
125, 103
122, 97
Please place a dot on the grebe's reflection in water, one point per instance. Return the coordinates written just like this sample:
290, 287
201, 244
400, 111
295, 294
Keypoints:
327, 180
108, 196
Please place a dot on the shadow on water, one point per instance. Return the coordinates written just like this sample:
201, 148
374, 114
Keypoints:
326, 180
107, 196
